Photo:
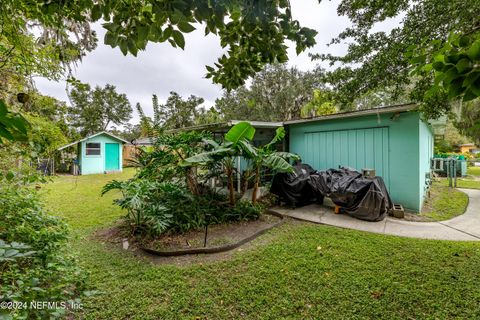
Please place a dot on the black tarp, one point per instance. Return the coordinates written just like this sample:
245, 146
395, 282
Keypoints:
294, 188
360, 197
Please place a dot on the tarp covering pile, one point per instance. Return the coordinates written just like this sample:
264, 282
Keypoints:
360, 197
295, 188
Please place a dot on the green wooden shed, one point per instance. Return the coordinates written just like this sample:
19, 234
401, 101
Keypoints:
98, 153
394, 141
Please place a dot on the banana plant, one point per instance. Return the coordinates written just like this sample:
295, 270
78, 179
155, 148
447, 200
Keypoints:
267, 157
236, 144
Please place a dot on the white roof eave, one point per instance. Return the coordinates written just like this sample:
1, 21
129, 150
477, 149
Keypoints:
92, 136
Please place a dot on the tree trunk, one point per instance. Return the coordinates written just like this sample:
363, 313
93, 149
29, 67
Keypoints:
255, 186
106, 125
192, 181
231, 193
246, 176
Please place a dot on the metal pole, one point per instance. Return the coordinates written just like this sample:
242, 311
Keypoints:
449, 172
455, 173
207, 221
239, 175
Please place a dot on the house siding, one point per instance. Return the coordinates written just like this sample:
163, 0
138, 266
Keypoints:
401, 144
91, 164
426, 153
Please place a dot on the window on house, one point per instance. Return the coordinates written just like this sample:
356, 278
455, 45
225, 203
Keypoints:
92, 149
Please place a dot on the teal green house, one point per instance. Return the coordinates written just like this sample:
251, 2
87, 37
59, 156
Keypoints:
98, 153
394, 141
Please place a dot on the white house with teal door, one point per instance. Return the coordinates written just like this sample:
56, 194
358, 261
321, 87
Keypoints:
99, 153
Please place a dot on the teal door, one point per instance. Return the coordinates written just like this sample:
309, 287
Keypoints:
355, 148
112, 156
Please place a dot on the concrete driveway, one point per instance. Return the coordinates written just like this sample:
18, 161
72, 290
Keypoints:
463, 228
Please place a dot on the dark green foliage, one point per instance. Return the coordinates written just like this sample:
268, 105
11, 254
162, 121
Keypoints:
93, 110
12, 126
158, 207
378, 60
469, 120
449, 70
166, 197
162, 163
33, 260
254, 32
176, 112
277, 93
246, 210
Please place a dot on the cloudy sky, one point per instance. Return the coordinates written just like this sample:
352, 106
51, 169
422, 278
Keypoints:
161, 68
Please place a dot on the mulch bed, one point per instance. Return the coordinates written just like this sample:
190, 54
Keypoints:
218, 235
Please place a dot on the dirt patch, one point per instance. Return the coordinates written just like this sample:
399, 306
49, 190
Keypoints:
114, 234
218, 235
416, 217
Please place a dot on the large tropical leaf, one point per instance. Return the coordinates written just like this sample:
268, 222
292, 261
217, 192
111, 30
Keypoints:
201, 158
13, 126
279, 135
206, 157
211, 142
242, 130
288, 155
247, 149
277, 163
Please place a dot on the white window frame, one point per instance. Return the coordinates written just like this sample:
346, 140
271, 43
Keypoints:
93, 155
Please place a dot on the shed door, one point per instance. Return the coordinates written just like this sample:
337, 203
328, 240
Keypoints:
112, 156
355, 148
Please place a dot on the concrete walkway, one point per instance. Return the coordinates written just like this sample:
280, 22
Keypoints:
464, 228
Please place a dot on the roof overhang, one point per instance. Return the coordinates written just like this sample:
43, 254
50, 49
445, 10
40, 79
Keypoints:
228, 124
92, 136
357, 113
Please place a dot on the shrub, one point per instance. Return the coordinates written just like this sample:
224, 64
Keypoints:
154, 208
33, 263
166, 196
246, 210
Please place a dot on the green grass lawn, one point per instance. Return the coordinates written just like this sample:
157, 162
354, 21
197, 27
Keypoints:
467, 183
474, 171
78, 200
444, 203
297, 271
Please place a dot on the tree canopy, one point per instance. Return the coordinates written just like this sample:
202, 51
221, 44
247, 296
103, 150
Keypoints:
469, 121
253, 32
177, 112
377, 59
277, 93
93, 110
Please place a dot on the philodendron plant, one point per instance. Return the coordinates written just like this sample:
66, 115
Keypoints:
238, 143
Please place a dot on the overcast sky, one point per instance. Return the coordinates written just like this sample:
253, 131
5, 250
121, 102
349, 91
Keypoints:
161, 68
